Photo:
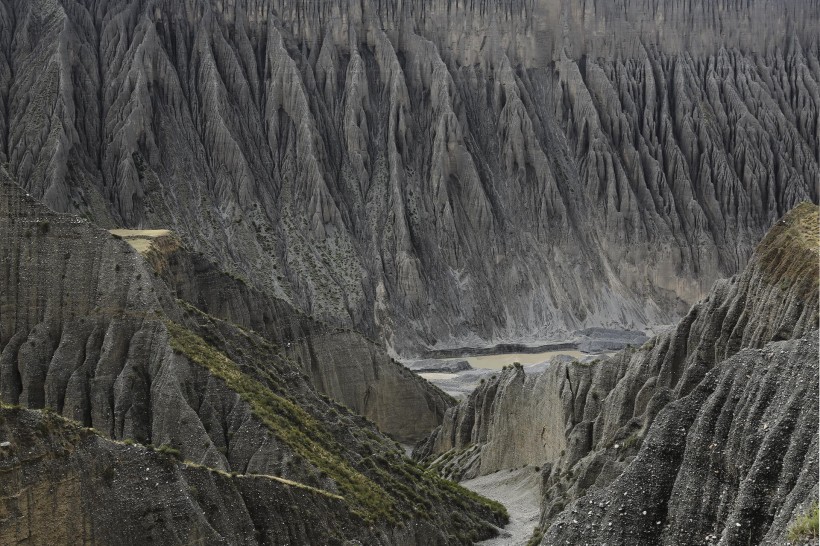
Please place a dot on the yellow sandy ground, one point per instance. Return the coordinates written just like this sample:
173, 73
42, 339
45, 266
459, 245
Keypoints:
140, 239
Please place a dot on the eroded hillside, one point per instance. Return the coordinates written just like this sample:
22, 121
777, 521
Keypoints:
708, 430
439, 174
90, 330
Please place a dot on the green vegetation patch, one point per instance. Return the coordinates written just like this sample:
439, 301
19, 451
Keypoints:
537, 536
806, 528
292, 425
789, 253
278, 479
386, 487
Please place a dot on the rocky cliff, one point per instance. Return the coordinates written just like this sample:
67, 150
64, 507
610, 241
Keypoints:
437, 173
90, 330
64, 484
733, 462
717, 416
340, 362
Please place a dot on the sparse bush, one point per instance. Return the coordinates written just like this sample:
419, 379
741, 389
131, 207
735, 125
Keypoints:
168, 450
537, 536
806, 527
44, 426
634, 440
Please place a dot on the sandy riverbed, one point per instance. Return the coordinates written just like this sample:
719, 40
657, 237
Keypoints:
496, 362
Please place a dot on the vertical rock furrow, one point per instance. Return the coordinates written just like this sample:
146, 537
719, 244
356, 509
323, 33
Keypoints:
694, 414
388, 166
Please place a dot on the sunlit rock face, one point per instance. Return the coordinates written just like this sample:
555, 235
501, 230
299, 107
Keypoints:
436, 173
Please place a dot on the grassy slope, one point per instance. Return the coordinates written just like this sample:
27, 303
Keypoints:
789, 253
382, 486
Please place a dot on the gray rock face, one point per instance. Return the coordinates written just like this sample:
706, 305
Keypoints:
353, 371
64, 484
90, 330
494, 428
437, 173
339, 362
676, 404
732, 462
597, 340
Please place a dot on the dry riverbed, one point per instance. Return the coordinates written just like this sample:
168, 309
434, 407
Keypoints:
496, 362
518, 491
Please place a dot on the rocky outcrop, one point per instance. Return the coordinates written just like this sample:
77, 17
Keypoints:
352, 370
493, 428
339, 362
90, 330
732, 462
64, 484
585, 423
439, 174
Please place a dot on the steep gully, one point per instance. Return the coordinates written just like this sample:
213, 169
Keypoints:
433, 174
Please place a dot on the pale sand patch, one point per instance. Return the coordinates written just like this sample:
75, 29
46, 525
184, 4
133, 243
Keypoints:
140, 245
140, 239
496, 362
518, 491
140, 233
437, 376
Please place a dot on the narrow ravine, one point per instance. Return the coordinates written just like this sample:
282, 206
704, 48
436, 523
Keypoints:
518, 491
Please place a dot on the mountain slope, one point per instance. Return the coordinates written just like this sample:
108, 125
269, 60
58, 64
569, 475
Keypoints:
637, 423
65, 484
90, 330
339, 362
439, 174
733, 462
353, 371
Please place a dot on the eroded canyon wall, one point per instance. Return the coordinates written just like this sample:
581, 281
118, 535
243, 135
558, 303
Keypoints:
436, 173
709, 425
92, 332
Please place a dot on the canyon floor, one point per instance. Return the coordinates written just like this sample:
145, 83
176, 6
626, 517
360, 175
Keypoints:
518, 491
